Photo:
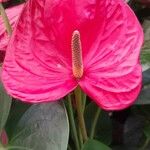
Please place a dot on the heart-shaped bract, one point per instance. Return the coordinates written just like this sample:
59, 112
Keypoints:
39, 67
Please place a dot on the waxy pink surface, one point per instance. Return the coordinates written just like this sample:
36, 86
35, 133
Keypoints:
38, 64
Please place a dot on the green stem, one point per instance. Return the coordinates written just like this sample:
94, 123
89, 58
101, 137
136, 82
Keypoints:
84, 100
1, 146
69, 148
95, 123
5, 19
80, 137
145, 144
80, 113
72, 122
18, 147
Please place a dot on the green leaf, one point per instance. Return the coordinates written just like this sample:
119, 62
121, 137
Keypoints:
17, 110
103, 131
43, 127
147, 131
144, 97
5, 104
95, 145
146, 77
145, 53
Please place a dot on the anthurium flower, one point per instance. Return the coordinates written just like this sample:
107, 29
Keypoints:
59, 45
13, 15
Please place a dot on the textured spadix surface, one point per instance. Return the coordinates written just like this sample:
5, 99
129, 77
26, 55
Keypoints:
38, 64
13, 15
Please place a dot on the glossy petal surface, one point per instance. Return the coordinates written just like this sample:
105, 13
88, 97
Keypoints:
112, 72
38, 64
13, 15
114, 93
2, 56
34, 71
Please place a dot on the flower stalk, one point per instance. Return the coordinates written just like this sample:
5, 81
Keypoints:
81, 121
72, 121
95, 123
5, 19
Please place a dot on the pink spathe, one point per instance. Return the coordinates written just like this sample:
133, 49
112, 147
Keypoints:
13, 15
38, 63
